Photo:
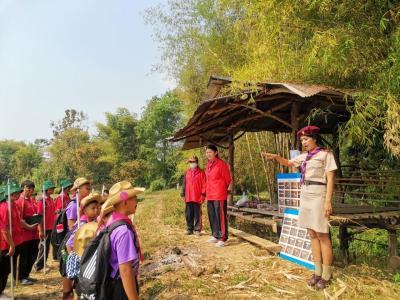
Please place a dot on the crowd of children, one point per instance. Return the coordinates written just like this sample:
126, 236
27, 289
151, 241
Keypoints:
95, 223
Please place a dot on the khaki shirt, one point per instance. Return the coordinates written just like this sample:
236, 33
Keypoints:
317, 166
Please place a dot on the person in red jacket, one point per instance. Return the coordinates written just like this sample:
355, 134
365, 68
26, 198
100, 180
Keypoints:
193, 193
30, 235
63, 199
218, 177
46, 225
10, 240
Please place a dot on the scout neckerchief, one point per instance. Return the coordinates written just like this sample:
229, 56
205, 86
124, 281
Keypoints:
304, 163
117, 216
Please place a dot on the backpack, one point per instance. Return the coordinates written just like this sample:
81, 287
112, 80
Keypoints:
94, 280
62, 254
59, 230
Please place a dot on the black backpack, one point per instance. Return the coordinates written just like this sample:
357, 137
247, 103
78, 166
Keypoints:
59, 230
95, 281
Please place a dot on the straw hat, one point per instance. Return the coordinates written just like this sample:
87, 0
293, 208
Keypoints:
92, 197
79, 182
83, 236
120, 191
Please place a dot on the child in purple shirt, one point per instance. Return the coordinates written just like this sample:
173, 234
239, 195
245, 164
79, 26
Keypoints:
125, 247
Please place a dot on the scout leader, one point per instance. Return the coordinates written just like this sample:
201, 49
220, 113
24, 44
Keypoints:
48, 221
317, 168
10, 242
30, 235
193, 193
125, 246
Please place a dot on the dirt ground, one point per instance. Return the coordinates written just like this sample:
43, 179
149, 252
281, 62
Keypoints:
188, 267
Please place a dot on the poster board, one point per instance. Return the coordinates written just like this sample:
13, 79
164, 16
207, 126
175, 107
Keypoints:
295, 241
288, 191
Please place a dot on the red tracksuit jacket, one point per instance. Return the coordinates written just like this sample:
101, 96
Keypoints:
194, 185
218, 178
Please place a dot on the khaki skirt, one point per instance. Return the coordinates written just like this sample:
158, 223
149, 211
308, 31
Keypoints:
311, 214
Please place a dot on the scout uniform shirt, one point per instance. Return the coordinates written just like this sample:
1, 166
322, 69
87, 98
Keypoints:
60, 200
49, 213
312, 197
15, 222
27, 208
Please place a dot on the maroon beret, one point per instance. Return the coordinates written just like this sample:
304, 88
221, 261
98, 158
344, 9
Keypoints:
308, 130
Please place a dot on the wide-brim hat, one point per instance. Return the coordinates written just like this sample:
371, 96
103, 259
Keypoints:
65, 183
308, 130
121, 191
48, 184
106, 209
83, 236
79, 182
92, 197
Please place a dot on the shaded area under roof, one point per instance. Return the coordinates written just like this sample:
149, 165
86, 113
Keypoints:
276, 107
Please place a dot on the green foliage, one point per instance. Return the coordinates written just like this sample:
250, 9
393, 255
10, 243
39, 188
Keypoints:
346, 44
158, 184
160, 120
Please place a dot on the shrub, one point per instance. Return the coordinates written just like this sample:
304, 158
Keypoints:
158, 185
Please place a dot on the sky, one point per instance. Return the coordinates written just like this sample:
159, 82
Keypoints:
90, 55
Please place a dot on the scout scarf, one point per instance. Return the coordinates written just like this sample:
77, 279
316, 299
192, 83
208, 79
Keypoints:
304, 163
116, 216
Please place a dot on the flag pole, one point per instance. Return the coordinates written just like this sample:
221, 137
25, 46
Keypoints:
10, 226
44, 229
62, 198
78, 208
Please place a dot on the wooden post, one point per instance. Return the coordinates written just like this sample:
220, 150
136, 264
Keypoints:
393, 243
294, 113
232, 167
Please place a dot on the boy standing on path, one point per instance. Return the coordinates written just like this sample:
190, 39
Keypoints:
193, 193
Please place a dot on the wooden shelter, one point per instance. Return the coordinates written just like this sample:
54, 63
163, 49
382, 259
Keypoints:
286, 107
276, 107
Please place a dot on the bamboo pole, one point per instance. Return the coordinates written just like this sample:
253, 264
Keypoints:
10, 227
252, 166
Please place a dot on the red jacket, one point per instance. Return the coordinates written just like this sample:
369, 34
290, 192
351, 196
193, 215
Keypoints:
194, 185
218, 177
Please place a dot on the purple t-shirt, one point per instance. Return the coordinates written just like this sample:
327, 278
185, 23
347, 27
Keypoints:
71, 211
70, 242
123, 249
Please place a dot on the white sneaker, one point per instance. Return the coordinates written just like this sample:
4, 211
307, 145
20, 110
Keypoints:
213, 240
4, 297
220, 244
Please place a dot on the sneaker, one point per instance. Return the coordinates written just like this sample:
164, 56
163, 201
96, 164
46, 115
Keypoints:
213, 240
25, 281
322, 284
220, 244
197, 233
188, 232
5, 297
313, 280
32, 279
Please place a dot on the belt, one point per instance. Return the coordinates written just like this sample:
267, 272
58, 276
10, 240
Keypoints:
309, 182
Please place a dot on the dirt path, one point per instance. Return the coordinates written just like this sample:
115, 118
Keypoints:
238, 271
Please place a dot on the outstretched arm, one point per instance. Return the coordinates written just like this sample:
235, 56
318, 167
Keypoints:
278, 158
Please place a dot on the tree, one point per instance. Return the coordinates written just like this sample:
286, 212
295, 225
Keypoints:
160, 119
120, 132
72, 119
